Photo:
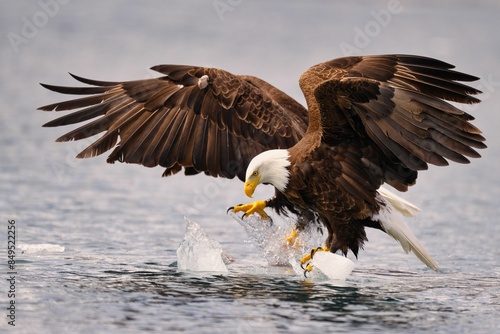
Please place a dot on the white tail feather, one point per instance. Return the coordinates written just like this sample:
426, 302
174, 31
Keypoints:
406, 208
392, 221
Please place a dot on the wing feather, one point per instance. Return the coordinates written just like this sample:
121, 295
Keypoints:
80, 116
396, 106
180, 121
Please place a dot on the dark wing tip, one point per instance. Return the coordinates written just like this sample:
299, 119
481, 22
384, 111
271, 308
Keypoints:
93, 82
53, 88
48, 124
423, 60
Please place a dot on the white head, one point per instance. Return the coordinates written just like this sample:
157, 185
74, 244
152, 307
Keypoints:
269, 167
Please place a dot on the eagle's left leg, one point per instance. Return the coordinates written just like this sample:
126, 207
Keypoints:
343, 237
305, 261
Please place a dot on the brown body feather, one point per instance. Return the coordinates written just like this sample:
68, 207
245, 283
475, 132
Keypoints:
370, 120
375, 120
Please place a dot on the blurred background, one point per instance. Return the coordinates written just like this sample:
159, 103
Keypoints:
107, 214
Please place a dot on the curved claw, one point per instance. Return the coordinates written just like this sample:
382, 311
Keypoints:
231, 208
305, 260
307, 269
250, 208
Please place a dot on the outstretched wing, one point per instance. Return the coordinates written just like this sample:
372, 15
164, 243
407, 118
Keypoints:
200, 119
393, 107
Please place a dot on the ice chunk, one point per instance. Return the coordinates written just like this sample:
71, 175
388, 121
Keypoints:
332, 265
326, 266
199, 252
40, 248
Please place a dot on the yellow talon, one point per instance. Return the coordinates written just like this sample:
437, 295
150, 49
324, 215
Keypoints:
250, 208
307, 258
291, 239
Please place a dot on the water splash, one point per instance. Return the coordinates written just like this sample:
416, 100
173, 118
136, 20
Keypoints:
199, 252
270, 237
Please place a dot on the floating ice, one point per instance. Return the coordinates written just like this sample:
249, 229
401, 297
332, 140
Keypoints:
269, 236
326, 265
199, 252
40, 248
332, 265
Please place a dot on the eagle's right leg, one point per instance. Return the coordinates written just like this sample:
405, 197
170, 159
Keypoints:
250, 208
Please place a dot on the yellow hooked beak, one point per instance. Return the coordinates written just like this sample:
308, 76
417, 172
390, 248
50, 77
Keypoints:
250, 186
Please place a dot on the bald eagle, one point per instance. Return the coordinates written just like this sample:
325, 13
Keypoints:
369, 120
